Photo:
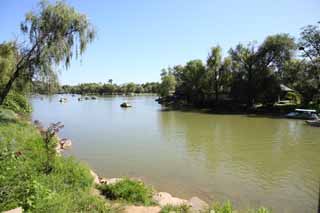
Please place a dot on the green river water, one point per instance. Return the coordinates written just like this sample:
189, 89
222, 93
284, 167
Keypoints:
250, 160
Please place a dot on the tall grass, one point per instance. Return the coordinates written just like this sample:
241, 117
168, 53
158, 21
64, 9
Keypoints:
24, 183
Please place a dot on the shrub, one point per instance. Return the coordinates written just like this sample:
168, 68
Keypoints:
175, 209
17, 102
128, 190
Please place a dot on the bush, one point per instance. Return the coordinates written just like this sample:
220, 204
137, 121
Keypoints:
175, 209
17, 103
128, 190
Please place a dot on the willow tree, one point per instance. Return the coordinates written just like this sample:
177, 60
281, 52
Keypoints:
53, 35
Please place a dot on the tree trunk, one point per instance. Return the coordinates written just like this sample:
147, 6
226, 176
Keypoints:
250, 92
216, 86
8, 86
217, 93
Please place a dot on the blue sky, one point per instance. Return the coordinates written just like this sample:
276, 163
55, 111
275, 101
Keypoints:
137, 38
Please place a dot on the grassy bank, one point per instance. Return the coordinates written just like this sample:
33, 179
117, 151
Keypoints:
23, 181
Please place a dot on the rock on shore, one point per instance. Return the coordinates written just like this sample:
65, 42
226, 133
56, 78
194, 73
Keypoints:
161, 198
164, 198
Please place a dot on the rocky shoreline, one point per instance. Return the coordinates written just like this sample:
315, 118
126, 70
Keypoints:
161, 198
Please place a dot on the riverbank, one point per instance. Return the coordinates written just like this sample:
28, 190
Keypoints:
70, 186
229, 107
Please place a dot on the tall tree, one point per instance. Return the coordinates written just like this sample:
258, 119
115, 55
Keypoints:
214, 65
190, 79
259, 64
53, 36
244, 59
310, 47
310, 41
168, 82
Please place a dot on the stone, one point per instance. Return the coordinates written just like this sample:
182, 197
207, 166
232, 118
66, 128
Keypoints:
16, 210
65, 143
198, 205
142, 209
164, 198
113, 180
103, 180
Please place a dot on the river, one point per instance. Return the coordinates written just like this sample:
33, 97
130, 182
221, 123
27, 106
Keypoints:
251, 160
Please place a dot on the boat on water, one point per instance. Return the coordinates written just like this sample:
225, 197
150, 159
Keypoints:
314, 122
305, 114
125, 105
63, 100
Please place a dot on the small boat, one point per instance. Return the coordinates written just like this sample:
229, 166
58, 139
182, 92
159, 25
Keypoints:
62, 100
93, 98
125, 105
86, 98
305, 114
314, 122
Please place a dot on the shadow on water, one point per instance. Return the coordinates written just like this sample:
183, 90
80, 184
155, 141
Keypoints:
215, 112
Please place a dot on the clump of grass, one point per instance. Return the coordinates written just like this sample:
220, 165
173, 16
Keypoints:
7, 115
175, 209
228, 208
17, 102
131, 191
223, 208
261, 210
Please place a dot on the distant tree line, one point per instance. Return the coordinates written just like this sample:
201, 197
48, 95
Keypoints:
250, 74
95, 88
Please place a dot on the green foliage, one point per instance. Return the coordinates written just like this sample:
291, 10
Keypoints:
261, 210
175, 209
108, 88
128, 190
7, 115
17, 103
250, 74
50, 144
228, 208
46, 84
23, 182
56, 30
168, 83
190, 80
294, 97
310, 41
7, 61
223, 208
54, 34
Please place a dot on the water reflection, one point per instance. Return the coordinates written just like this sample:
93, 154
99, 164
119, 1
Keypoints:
270, 161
